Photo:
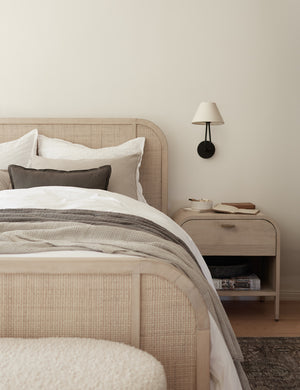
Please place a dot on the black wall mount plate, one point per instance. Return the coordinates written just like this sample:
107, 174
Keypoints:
206, 149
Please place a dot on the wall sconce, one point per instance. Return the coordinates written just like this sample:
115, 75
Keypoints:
207, 114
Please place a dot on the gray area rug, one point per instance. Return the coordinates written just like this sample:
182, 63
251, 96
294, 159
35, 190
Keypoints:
272, 363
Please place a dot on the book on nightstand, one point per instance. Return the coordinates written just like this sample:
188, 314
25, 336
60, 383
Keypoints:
250, 282
241, 205
225, 208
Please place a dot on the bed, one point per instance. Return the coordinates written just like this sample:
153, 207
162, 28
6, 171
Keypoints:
137, 300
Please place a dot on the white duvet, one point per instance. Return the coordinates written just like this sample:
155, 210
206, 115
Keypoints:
223, 372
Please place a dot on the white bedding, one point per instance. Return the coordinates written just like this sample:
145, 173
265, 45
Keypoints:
223, 372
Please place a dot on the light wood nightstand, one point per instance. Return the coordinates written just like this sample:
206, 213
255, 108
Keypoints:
254, 237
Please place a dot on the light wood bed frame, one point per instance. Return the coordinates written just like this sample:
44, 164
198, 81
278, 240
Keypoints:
142, 302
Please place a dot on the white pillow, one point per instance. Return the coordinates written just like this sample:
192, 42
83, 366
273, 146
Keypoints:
61, 149
19, 151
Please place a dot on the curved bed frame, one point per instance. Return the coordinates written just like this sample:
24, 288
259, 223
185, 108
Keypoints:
142, 302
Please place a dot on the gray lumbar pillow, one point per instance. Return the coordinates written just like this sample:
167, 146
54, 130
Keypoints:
90, 178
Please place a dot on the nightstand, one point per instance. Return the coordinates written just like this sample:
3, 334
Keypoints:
255, 238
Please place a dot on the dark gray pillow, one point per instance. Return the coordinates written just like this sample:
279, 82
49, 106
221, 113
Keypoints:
89, 178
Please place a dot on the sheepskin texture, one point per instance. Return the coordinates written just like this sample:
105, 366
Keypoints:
77, 364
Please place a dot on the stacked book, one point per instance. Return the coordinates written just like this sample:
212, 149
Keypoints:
249, 282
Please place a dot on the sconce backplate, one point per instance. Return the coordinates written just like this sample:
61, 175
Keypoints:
206, 149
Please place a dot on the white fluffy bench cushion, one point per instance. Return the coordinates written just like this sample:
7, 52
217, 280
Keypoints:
77, 364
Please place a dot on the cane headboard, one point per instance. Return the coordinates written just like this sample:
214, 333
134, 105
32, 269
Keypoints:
99, 132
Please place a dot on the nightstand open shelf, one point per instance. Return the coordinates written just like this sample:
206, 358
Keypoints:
254, 238
265, 292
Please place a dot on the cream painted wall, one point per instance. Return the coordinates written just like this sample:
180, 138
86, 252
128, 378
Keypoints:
158, 59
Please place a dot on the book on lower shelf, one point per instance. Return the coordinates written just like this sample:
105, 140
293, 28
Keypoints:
249, 282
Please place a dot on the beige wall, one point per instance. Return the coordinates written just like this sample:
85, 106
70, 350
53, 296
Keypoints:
158, 59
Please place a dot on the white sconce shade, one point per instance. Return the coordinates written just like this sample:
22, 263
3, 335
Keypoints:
207, 112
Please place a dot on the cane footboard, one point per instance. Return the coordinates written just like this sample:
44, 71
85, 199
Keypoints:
141, 302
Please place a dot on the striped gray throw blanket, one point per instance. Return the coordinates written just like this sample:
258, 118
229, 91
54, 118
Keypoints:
41, 230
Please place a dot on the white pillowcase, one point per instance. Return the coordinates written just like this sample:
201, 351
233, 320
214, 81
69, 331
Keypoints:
19, 151
60, 149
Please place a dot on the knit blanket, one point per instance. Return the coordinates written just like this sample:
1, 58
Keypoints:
41, 230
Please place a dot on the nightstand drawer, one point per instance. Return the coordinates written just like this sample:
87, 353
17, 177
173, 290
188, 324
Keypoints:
232, 236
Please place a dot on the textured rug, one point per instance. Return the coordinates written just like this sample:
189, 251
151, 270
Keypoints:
272, 363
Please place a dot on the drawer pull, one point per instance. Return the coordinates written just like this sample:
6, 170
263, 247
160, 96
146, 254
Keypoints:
228, 225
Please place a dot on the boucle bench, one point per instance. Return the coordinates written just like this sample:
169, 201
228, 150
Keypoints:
76, 364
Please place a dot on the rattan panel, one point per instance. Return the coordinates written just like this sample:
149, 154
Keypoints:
66, 305
168, 330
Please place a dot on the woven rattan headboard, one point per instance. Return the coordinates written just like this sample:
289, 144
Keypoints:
97, 133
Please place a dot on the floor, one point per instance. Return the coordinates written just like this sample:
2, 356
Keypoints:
256, 319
